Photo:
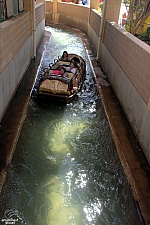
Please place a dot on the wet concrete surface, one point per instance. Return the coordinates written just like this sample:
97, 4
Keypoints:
135, 165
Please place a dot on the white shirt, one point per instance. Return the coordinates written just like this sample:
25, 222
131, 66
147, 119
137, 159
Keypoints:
73, 70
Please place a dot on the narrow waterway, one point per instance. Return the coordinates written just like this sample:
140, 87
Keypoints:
65, 169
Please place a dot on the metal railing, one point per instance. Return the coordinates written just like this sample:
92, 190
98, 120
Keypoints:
3, 11
9, 9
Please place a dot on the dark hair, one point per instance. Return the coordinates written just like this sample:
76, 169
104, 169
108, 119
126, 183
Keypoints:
64, 53
72, 63
76, 59
63, 69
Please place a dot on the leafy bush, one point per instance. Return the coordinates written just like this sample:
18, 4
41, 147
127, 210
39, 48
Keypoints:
100, 7
145, 36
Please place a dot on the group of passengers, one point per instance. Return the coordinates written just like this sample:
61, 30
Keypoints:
71, 68
75, 60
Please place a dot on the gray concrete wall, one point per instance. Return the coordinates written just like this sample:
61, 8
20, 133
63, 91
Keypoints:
67, 20
73, 15
93, 36
11, 76
13, 70
131, 101
126, 61
40, 31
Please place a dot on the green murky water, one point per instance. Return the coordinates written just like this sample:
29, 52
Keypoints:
65, 170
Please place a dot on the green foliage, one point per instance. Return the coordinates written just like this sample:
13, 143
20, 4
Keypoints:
145, 36
100, 7
137, 14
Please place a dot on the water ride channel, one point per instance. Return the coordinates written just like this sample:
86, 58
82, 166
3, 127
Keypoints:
65, 168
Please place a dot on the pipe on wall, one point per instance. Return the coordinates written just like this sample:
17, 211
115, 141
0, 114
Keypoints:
34, 29
101, 30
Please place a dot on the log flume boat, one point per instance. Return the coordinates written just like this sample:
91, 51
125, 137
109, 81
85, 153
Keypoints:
62, 80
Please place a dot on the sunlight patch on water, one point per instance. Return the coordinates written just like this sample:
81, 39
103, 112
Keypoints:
57, 195
63, 132
92, 210
81, 180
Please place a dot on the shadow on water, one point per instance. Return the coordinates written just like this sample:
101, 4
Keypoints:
65, 169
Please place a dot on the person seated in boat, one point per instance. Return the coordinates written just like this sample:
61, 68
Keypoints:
76, 61
64, 56
75, 85
61, 72
71, 68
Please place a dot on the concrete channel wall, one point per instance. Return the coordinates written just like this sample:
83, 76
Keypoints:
125, 60
16, 51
